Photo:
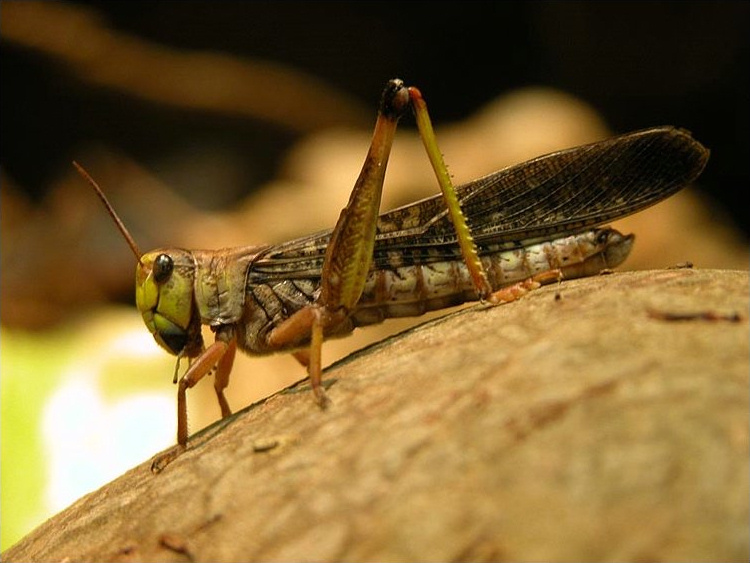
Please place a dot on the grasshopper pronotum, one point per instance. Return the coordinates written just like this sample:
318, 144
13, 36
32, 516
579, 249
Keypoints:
492, 239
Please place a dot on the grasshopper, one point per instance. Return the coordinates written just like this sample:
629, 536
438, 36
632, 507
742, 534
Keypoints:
492, 239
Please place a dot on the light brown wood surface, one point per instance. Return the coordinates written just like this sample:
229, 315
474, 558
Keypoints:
573, 424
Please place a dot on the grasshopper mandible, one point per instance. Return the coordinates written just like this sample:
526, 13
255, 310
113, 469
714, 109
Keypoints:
492, 239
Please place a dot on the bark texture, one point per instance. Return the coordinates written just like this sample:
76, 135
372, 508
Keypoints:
599, 419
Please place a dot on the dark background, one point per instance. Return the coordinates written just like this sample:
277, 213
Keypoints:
639, 64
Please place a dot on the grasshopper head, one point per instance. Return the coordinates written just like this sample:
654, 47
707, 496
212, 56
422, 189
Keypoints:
164, 296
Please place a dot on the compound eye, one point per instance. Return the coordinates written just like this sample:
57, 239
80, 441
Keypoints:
602, 237
163, 266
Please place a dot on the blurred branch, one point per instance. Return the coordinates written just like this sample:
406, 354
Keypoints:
78, 38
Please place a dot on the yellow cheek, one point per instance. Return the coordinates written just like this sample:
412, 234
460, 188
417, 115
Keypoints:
175, 300
167, 334
146, 295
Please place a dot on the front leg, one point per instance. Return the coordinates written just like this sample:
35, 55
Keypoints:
350, 250
218, 356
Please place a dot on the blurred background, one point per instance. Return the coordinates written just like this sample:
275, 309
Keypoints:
213, 124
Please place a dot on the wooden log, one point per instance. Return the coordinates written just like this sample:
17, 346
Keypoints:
597, 419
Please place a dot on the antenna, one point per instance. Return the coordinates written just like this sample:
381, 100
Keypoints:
111, 211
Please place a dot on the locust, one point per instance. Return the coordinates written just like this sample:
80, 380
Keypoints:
493, 240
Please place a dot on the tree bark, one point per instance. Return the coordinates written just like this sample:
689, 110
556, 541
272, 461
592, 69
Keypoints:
597, 419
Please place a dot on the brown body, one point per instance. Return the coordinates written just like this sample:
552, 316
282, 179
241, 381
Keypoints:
409, 287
